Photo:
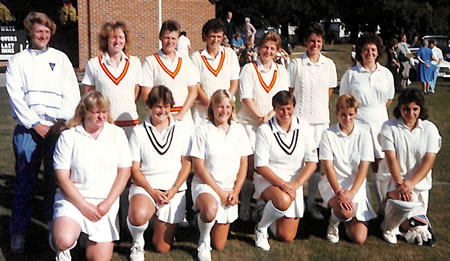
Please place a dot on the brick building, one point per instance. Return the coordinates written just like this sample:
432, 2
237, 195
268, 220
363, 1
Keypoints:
142, 18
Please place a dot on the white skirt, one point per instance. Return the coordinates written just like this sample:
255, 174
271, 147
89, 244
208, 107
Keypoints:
171, 213
297, 207
104, 230
225, 214
361, 202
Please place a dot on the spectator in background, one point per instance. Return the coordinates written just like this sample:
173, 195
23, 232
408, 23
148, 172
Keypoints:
425, 72
437, 54
249, 53
43, 92
282, 58
229, 25
184, 44
403, 57
237, 43
353, 55
250, 30
393, 63
415, 43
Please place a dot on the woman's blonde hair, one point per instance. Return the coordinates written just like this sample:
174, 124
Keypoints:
217, 97
88, 102
347, 101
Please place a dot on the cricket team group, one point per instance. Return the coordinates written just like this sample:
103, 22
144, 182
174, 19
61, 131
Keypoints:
93, 146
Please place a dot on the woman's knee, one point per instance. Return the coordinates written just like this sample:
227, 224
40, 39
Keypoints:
282, 201
139, 215
358, 238
63, 241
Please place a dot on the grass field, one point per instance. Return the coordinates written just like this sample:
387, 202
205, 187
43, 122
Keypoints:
310, 243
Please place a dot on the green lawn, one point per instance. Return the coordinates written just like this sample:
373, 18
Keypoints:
310, 243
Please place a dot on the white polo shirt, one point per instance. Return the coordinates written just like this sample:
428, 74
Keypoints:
373, 90
117, 83
216, 72
92, 162
261, 85
285, 153
221, 151
410, 146
346, 151
311, 82
160, 153
178, 75
437, 53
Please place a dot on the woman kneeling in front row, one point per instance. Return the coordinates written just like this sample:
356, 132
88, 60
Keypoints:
285, 158
346, 152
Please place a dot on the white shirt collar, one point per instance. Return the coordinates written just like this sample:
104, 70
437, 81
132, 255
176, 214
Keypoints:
107, 59
273, 67
276, 127
205, 53
419, 124
341, 134
171, 122
80, 129
307, 61
164, 56
362, 69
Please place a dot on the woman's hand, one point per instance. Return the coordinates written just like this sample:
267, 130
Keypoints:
169, 194
345, 198
404, 190
290, 188
103, 207
233, 198
159, 196
223, 195
90, 211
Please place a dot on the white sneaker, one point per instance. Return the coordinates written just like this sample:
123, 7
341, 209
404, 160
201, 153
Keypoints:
390, 236
244, 213
333, 232
137, 252
17, 243
261, 239
315, 213
63, 255
204, 252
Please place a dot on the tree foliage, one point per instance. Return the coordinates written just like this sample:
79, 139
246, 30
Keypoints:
391, 17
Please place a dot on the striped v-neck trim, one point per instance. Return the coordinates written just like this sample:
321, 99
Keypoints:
167, 142
288, 149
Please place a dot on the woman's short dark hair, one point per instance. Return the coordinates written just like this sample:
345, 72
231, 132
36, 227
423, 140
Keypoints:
171, 26
393, 41
108, 29
283, 98
411, 95
214, 25
159, 94
314, 29
368, 38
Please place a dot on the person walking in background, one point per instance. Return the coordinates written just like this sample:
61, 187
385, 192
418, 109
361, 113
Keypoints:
425, 72
312, 80
437, 54
184, 44
373, 86
218, 67
403, 56
167, 67
116, 74
43, 92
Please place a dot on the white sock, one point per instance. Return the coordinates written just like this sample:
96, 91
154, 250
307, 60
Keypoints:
333, 219
246, 193
270, 215
205, 231
313, 184
137, 232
